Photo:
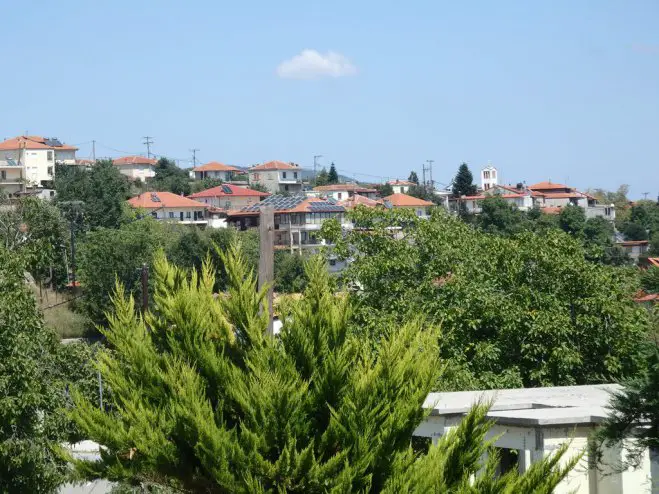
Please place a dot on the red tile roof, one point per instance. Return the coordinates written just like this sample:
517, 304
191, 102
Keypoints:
344, 187
275, 165
403, 200
548, 186
357, 200
32, 142
563, 195
157, 200
651, 297
483, 196
215, 166
134, 160
654, 261
221, 191
631, 243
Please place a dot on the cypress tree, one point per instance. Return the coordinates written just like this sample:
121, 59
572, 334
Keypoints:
463, 183
203, 401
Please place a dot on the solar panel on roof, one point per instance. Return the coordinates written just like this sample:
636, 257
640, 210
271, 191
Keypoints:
226, 189
154, 197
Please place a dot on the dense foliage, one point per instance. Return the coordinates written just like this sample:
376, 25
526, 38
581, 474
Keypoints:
332, 176
518, 310
30, 396
204, 401
170, 178
635, 413
103, 191
413, 177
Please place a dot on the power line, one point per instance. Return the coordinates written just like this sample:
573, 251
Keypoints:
148, 140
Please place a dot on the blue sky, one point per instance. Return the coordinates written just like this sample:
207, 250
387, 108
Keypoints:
566, 90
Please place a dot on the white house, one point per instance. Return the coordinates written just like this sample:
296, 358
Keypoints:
277, 177
229, 196
136, 167
214, 169
12, 177
489, 177
551, 195
167, 206
532, 423
400, 186
341, 192
420, 207
37, 156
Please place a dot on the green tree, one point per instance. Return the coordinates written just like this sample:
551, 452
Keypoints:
322, 178
289, 273
635, 414
170, 178
103, 191
654, 245
650, 280
31, 424
526, 310
499, 216
384, 190
634, 231
463, 183
413, 177
332, 176
107, 255
572, 220
204, 401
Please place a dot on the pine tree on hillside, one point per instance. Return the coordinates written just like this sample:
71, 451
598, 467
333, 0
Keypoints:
203, 401
332, 176
463, 183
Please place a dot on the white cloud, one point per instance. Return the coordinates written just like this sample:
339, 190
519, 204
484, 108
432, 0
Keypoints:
310, 64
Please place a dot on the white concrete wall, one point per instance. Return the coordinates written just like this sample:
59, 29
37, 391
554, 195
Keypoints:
137, 171
400, 189
229, 202
164, 214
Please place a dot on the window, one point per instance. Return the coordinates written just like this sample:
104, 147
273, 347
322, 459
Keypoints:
473, 204
3, 174
486, 174
255, 177
419, 212
188, 214
494, 174
286, 188
283, 175
171, 215
50, 171
332, 262
294, 174
49, 155
339, 195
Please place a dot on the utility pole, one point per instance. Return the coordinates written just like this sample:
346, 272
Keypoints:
645, 196
73, 213
266, 259
148, 140
430, 162
94, 151
194, 157
315, 165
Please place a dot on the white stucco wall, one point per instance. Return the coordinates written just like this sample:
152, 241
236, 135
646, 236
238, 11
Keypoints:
138, 171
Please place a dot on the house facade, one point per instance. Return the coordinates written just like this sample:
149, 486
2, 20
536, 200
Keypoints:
400, 186
214, 169
420, 207
298, 220
341, 192
489, 178
277, 177
12, 177
551, 195
635, 248
532, 423
166, 206
37, 156
136, 167
229, 196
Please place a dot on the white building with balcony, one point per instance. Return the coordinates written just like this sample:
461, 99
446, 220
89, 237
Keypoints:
277, 177
37, 156
341, 192
215, 169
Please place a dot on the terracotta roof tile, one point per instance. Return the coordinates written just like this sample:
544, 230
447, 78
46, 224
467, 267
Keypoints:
548, 186
229, 190
403, 200
156, 200
631, 243
344, 187
401, 182
32, 142
134, 160
215, 166
358, 200
654, 261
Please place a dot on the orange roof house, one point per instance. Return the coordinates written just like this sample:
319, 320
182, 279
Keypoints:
164, 200
225, 190
35, 142
134, 160
405, 201
359, 200
216, 166
274, 165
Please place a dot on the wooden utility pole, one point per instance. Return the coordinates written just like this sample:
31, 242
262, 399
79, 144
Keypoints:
267, 259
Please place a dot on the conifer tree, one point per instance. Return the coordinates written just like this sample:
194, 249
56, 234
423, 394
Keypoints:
203, 401
332, 176
463, 183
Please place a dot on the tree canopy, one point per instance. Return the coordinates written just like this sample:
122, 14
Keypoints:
332, 176
413, 177
170, 178
103, 191
322, 178
519, 310
384, 190
223, 408
463, 183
